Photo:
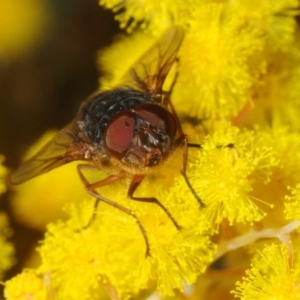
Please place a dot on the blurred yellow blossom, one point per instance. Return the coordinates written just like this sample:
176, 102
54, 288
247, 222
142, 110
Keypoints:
286, 146
21, 24
109, 62
276, 100
7, 250
274, 18
38, 195
292, 206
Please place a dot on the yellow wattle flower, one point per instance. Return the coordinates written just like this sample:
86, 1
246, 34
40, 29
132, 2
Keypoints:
227, 166
216, 77
151, 15
273, 275
112, 249
27, 285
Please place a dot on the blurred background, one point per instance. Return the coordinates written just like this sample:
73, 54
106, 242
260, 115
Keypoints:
47, 68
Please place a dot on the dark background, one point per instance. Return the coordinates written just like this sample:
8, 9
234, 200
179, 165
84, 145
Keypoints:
44, 89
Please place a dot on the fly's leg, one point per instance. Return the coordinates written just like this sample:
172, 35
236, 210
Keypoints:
183, 141
137, 179
90, 188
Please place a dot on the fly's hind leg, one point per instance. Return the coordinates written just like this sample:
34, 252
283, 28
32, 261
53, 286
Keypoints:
137, 179
90, 188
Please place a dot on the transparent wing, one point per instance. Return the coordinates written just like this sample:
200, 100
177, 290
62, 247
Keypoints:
151, 69
62, 149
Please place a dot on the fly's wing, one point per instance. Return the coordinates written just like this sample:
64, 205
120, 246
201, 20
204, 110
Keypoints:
152, 68
62, 149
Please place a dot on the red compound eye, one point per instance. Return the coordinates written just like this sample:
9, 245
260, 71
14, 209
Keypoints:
119, 133
157, 116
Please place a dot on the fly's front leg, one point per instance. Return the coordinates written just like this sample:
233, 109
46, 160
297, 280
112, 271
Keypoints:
136, 180
90, 188
183, 140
